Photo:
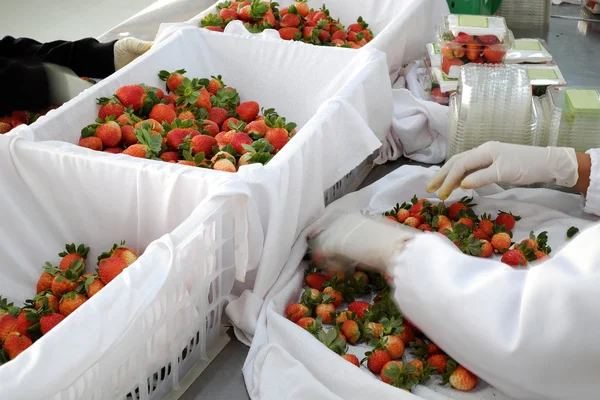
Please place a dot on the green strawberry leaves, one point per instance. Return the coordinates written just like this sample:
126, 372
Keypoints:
332, 340
572, 232
81, 250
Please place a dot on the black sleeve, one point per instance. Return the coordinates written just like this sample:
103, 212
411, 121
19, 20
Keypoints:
86, 57
24, 85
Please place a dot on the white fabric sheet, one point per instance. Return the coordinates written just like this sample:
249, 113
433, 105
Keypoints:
469, 306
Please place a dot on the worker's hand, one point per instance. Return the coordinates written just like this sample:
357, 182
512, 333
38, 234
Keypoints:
128, 49
356, 238
63, 84
495, 162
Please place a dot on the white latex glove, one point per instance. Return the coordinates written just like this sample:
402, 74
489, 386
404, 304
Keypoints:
356, 238
495, 162
63, 84
128, 49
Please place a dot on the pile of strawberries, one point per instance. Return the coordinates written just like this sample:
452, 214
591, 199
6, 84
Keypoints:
296, 22
200, 122
8, 123
479, 236
330, 299
60, 291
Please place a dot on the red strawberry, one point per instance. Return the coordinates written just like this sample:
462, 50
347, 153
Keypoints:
438, 361
218, 115
278, 137
20, 118
466, 221
351, 330
137, 150
204, 144
71, 302
359, 308
351, 358
224, 165
412, 221
244, 13
203, 100
454, 209
228, 123
176, 137
407, 335
514, 258
227, 15
92, 284
394, 346
316, 281
15, 344
418, 364
343, 316
302, 8
334, 295
307, 31
501, 242
109, 107
113, 150
156, 126
290, 33
507, 219
131, 96
377, 360
109, 133
486, 225
486, 249
248, 111
163, 113
463, 379
480, 234
214, 28
49, 321
110, 267
173, 79
224, 138
171, 98
425, 228
62, 284
402, 215
91, 142
324, 36
296, 311
238, 140
210, 126
258, 128
170, 156
8, 324
390, 368
339, 35
540, 254
26, 319
215, 84
185, 115
71, 254
373, 330
128, 137
326, 312
306, 322
290, 21
47, 298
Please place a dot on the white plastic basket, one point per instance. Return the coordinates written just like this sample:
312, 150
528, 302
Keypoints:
144, 331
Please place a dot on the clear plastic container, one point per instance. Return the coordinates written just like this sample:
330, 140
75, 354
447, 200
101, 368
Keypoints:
528, 51
468, 39
592, 6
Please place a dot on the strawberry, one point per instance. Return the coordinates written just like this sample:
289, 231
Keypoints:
256, 128
46, 299
247, 111
222, 155
343, 316
334, 295
5, 127
150, 125
480, 234
49, 321
109, 268
302, 8
238, 141
157, 92
92, 284
278, 137
203, 100
8, 324
163, 113
229, 124
109, 107
438, 361
454, 209
71, 254
315, 280
359, 308
45, 281
15, 344
514, 258
172, 98
373, 330
393, 345
210, 126
425, 228
536, 243
402, 215
486, 249
224, 165
296, 311
412, 222
20, 118
351, 330
27, 319
91, 142
173, 79
71, 302
463, 379
540, 254
507, 219
218, 115
224, 138
177, 136
215, 84
119, 250
486, 225
128, 137
418, 364
290, 21
326, 312
170, 156
466, 221
339, 35
227, 15
185, 115
290, 34
203, 144
132, 96
127, 118
307, 31
311, 296
109, 133
361, 277
351, 358
358, 26
310, 324
113, 150
214, 28
407, 335
376, 360
390, 371
501, 242
66, 281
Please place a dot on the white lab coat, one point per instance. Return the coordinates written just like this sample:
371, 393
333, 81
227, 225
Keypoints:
532, 333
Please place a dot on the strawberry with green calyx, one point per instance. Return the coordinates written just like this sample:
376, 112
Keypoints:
311, 325
539, 242
15, 344
226, 98
311, 297
571, 232
294, 312
71, 302
458, 376
197, 160
332, 340
376, 360
49, 321
352, 359
437, 362
67, 280
315, 280
372, 330
120, 250
519, 256
424, 350
344, 316
215, 84
128, 117
8, 308
463, 204
358, 26
71, 254
45, 281
257, 153
109, 107
352, 330
178, 131
44, 300
28, 323
172, 79
91, 284
393, 345
150, 145
486, 225
507, 219
326, 310
359, 308
212, 22
398, 375
501, 240
150, 100
391, 326
190, 91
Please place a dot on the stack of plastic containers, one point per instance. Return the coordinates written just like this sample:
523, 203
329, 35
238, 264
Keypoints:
593, 6
570, 117
493, 102
526, 14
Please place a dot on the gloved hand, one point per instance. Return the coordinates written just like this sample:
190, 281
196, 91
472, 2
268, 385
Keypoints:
357, 238
63, 84
495, 162
128, 49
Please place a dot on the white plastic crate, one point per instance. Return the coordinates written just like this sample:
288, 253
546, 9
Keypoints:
139, 335
401, 27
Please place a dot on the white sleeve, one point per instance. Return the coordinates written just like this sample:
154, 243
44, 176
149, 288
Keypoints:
592, 202
532, 334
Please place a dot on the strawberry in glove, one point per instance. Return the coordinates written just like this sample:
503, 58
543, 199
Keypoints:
531, 333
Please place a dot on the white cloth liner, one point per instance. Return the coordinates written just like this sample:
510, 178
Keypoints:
342, 107
56, 195
280, 348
